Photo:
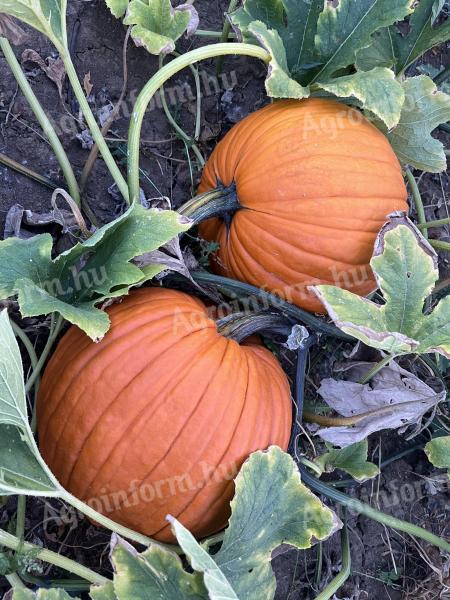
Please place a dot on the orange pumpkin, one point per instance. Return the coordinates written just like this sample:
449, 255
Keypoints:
316, 181
158, 417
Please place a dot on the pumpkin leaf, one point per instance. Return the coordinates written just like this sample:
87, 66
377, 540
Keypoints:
22, 469
117, 7
343, 30
295, 21
380, 53
156, 573
438, 452
90, 272
378, 90
405, 267
394, 399
425, 109
271, 507
279, 83
47, 16
42, 594
103, 592
422, 35
157, 25
351, 460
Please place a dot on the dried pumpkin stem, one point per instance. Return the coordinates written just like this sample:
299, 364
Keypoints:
158, 80
240, 326
219, 202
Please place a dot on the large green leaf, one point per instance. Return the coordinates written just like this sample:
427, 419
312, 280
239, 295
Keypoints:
343, 30
156, 573
157, 25
47, 16
295, 21
425, 109
405, 266
101, 267
271, 507
438, 452
378, 91
380, 53
351, 460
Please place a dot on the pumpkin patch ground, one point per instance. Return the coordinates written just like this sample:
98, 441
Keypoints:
169, 405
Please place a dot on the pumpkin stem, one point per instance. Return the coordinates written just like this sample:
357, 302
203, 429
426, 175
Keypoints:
222, 201
239, 326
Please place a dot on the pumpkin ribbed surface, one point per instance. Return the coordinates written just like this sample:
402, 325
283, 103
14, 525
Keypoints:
317, 181
158, 417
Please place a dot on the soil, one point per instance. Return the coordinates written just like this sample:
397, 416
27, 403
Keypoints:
384, 563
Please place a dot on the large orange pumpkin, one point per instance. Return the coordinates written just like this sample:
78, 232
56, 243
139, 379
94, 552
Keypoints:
315, 181
158, 417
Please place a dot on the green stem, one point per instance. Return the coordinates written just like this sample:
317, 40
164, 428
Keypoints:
10, 541
42, 118
112, 525
437, 223
54, 331
417, 199
214, 34
311, 465
190, 143
158, 80
15, 582
364, 509
93, 126
439, 245
344, 574
226, 31
447, 151
20, 517
18, 332
442, 77
377, 367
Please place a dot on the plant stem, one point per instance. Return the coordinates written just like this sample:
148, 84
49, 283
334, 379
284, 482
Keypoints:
18, 332
364, 509
442, 77
112, 525
447, 151
158, 80
376, 368
93, 126
238, 289
226, 31
311, 465
12, 164
417, 199
15, 582
20, 516
439, 245
42, 118
54, 331
437, 223
10, 541
190, 143
214, 34
344, 574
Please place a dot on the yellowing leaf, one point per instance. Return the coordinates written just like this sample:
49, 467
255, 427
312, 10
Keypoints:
405, 266
157, 25
271, 507
425, 109
378, 90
